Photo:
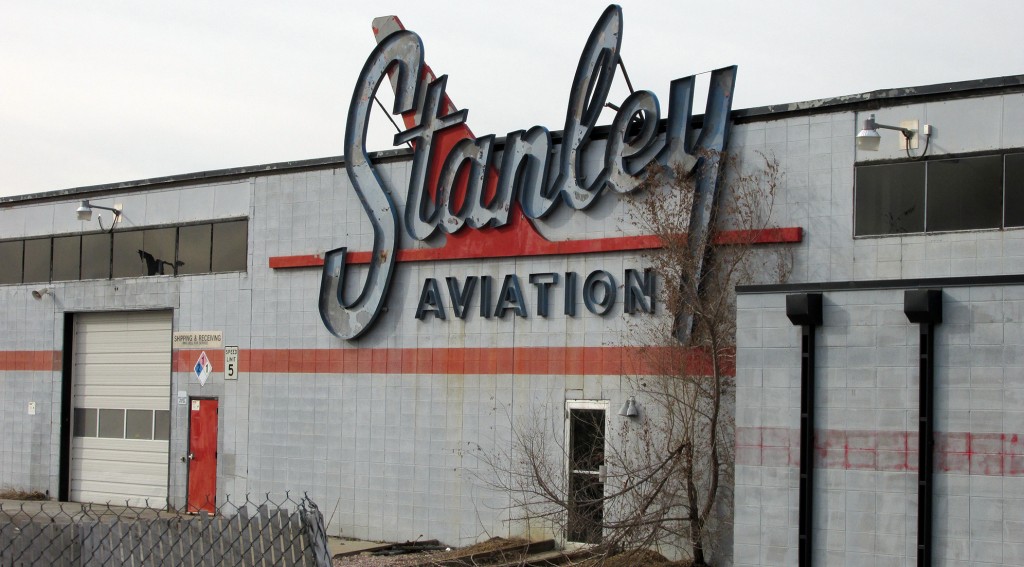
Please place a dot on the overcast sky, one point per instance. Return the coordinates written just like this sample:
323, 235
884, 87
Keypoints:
103, 91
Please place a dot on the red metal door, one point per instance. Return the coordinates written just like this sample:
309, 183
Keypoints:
202, 455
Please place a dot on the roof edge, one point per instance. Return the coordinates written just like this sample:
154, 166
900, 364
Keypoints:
867, 100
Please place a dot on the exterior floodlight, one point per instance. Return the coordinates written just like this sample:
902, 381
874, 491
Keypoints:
629, 408
868, 138
40, 293
84, 213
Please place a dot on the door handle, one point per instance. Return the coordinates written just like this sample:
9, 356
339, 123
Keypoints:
188, 457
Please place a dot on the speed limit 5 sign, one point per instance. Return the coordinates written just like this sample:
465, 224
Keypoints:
231, 363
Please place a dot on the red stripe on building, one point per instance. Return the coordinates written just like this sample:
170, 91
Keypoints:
989, 454
545, 248
38, 360
586, 361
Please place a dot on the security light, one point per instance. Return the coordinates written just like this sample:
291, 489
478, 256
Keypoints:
629, 408
84, 213
869, 138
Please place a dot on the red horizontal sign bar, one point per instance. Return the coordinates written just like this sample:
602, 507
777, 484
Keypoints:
37, 360
585, 361
786, 235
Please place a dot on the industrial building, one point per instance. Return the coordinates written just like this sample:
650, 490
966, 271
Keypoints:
179, 340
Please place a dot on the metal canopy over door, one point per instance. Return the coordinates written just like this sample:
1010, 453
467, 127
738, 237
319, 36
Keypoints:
202, 455
121, 395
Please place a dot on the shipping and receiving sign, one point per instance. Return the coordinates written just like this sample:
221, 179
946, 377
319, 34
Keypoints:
198, 339
474, 194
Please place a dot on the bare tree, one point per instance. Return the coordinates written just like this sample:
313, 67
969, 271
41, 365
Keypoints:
667, 484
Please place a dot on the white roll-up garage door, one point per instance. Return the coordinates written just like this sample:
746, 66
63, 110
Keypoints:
121, 398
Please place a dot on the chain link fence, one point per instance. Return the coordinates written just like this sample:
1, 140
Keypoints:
267, 533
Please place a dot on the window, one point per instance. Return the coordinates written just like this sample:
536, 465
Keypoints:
168, 251
122, 424
161, 425
67, 258
1014, 189
138, 424
194, 249
965, 194
890, 199
969, 193
96, 256
11, 254
111, 423
157, 253
229, 246
85, 422
37, 260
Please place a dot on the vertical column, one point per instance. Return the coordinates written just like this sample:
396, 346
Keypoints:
804, 309
924, 306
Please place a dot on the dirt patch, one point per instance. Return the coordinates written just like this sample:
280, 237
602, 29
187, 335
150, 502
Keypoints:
15, 494
465, 555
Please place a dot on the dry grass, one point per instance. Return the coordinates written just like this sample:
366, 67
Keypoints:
16, 494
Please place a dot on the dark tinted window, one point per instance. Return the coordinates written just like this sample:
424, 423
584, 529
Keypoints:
158, 250
1014, 183
127, 262
965, 193
10, 261
890, 199
95, 256
111, 423
194, 249
161, 424
37, 260
230, 241
66, 257
85, 422
138, 424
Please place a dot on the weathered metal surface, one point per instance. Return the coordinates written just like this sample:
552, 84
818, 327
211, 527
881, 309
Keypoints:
456, 180
401, 52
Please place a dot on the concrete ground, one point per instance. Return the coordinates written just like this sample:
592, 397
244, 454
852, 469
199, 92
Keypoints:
337, 545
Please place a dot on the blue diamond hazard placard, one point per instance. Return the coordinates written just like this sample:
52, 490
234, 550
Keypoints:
203, 368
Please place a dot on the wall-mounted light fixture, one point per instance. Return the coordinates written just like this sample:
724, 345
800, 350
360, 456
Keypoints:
868, 138
84, 212
629, 408
39, 293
